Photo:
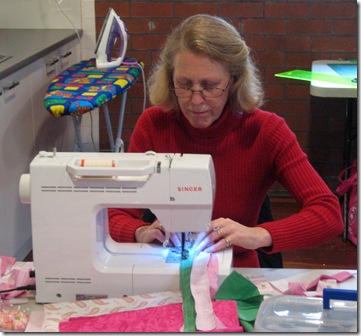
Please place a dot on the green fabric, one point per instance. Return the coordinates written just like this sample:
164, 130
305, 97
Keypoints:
189, 311
245, 293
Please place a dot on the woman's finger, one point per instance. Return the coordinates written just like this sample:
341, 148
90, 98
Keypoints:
220, 245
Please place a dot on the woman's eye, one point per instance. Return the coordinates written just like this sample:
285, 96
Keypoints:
209, 88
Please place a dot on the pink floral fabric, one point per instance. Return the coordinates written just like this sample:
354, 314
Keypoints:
168, 318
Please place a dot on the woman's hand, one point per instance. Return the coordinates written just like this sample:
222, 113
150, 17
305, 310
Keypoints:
225, 232
155, 232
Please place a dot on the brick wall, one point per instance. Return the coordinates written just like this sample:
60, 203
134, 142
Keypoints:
284, 35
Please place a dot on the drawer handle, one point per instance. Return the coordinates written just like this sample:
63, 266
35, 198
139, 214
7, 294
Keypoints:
66, 54
11, 86
54, 61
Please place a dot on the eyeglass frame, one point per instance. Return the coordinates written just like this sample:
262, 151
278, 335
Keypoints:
201, 91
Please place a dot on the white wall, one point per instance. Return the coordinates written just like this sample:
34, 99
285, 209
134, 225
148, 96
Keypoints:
51, 14
39, 13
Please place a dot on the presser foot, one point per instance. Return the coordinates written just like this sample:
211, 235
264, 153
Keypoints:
179, 253
175, 255
185, 254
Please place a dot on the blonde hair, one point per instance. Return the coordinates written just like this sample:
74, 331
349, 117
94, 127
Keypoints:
216, 38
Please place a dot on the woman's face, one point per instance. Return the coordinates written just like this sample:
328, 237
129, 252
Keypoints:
198, 72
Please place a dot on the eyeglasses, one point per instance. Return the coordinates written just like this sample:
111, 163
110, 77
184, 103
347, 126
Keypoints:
208, 92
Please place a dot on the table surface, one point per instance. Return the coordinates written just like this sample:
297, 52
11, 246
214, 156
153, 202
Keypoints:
333, 90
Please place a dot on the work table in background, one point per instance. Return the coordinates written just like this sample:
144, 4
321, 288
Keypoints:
27, 45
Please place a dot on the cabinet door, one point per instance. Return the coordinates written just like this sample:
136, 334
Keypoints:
68, 54
16, 152
52, 132
62, 58
25, 129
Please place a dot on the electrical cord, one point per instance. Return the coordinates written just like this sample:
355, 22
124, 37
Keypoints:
28, 287
136, 63
58, 2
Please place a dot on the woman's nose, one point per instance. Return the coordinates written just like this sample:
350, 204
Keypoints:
197, 97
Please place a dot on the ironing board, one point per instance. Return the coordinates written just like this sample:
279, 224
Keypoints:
83, 87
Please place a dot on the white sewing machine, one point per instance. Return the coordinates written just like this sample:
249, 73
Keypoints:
74, 256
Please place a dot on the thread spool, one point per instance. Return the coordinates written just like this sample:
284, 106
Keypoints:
96, 163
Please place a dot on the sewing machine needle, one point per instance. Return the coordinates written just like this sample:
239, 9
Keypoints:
184, 251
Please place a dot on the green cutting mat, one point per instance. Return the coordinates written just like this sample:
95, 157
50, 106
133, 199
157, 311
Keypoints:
316, 76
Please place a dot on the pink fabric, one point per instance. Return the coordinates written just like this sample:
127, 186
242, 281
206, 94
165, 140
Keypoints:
304, 289
167, 318
200, 287
5, 264
296, 288
16, 278
213, 270
339, 277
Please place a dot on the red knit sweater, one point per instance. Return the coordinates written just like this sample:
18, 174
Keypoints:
250, 152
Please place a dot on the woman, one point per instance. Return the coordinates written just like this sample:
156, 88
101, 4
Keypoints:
207, 97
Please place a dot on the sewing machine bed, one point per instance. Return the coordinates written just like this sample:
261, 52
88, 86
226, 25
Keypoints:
83, 87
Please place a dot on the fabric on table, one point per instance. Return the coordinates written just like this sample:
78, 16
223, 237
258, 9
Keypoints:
5, 264
200, 288
82, 87
213, 270
54, 313
196, 312
246, 294
189, 312
168, 318
16, 277
296, 288
339, 277
204, 284
314, 288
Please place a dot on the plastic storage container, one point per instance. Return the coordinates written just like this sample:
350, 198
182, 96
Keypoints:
288, 313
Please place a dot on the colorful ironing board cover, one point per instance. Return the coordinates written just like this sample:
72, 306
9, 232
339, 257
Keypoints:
82, 87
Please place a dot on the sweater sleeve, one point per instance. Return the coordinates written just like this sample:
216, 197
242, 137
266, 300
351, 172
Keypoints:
320, 216
123, 224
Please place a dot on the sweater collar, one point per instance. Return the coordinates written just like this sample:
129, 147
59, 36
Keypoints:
227, 121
